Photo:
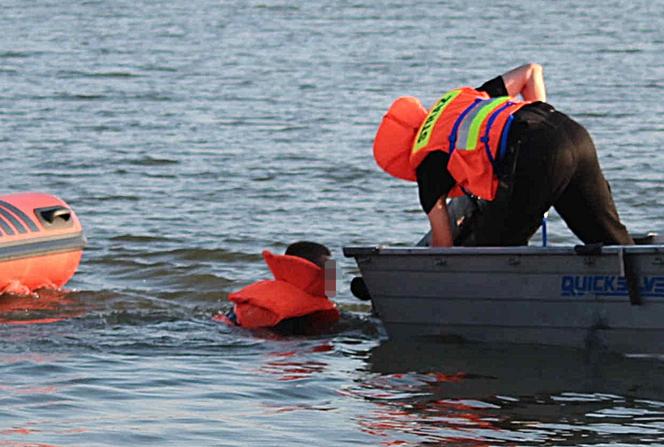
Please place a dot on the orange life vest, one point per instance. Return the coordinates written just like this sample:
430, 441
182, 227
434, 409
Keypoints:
465, 123
298, 290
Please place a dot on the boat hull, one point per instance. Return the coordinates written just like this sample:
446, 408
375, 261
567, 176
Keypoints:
611, 297
41, 242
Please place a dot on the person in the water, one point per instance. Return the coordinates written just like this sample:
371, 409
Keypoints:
296, 301
520, 157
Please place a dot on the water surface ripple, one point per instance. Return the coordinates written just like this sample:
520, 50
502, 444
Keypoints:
188, 136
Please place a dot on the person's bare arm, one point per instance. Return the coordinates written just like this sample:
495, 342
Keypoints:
526, 80
441, 232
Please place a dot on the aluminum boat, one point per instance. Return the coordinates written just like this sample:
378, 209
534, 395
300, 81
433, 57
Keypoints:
607, 296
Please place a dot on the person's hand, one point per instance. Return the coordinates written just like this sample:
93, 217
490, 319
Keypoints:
527, 81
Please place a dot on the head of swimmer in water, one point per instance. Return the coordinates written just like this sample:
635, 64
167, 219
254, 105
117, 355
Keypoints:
321, 256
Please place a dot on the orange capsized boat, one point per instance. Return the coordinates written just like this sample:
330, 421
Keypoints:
41, 242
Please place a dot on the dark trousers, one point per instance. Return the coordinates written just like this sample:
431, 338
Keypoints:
556, 165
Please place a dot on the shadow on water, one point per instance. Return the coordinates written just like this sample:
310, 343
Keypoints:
427, 393
518, 370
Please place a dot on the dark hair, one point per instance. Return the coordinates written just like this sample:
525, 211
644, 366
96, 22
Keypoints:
311, 251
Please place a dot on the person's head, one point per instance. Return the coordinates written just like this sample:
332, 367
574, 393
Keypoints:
321, 256
311, 251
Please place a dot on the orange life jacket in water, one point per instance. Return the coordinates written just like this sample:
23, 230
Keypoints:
465, 123
298, 290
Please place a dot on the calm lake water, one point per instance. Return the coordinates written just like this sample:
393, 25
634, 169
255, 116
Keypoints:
188, 136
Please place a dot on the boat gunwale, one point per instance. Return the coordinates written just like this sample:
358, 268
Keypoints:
377, 250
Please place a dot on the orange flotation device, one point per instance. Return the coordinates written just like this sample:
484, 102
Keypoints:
298, 290
465, 123
41, 242
395, 137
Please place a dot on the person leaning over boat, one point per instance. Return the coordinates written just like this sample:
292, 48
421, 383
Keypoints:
518, 157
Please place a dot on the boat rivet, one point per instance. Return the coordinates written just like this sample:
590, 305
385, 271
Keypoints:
440, 262
514, 260
659, 260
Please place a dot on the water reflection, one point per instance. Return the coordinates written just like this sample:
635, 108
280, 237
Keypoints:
292, 365
43, 306
474, 395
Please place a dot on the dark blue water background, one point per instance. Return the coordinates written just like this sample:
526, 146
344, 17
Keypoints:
188, 136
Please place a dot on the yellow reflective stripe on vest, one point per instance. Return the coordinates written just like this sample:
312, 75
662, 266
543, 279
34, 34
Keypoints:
424, 134
468, 135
